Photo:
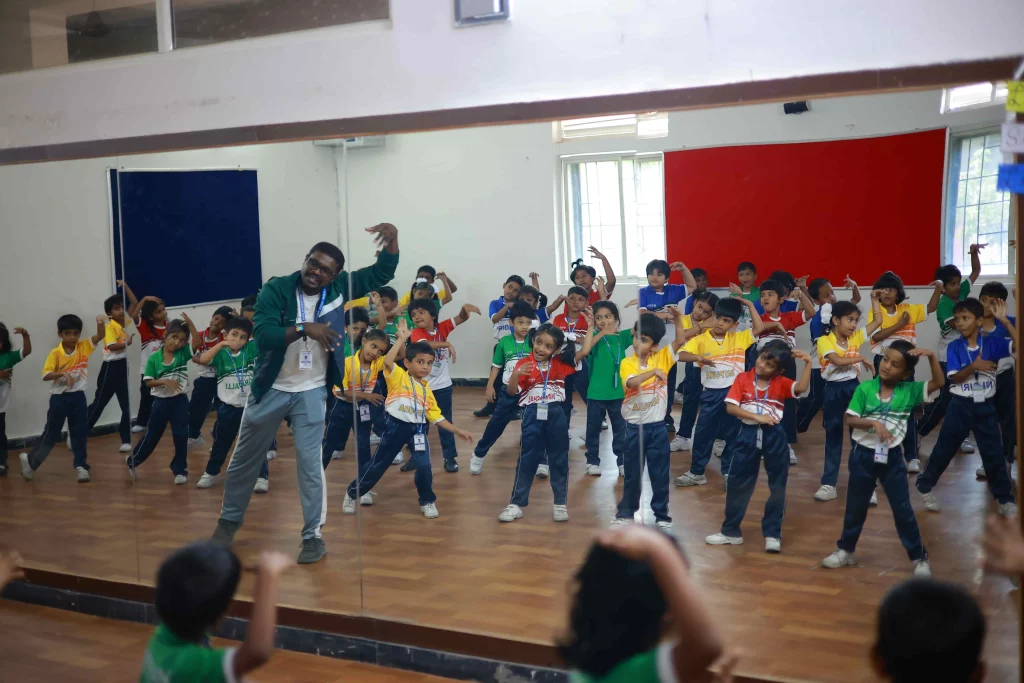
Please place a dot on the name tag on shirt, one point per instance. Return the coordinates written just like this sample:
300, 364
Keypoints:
881, 454
305, 360
419, 442
364, 413
542, 411
760, 441
978, 392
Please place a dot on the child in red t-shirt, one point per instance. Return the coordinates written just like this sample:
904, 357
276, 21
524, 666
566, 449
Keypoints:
150, 316
757, 398
573, 325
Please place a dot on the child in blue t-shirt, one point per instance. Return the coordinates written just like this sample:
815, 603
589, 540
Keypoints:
1006, 383
971, 365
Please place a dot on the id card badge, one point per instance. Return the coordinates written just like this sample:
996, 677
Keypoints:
364, 413
419, 442
542, 411
978, 391
881, 454
305, 360
759, 439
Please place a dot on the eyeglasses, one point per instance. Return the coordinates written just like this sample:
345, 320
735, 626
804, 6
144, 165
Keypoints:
320, 268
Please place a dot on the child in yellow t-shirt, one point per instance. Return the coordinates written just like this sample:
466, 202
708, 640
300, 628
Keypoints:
720, 352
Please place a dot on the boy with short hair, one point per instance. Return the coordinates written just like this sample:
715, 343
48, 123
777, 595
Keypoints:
746, 274
113, 378
498, 310
690, 389
67, 369
204, 389
720, 353
929, 631
971, 365
194, 588
700, 285
993, 293
573, 324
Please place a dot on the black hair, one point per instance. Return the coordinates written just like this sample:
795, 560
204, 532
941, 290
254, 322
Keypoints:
386, 292
516, 279
746, 265
996, 290
148, 309
331, 250
617, 612
248, 309
971, 305
426, 286
177, 325
224, 312
5, 339
577, 266
929, 631
708, 296
784, 278
947, 273
652, 326
612, 308
729, 307
903, 347
660, 266
840, 309
239, 323
778, 351
111, 301
774, 286
814, 288
427, 269
579, 291
698, 272
357, 314
568, 351
249, 300
69, 321
521, 309
426, 304
890, 280
529, 290
416, 348
194, 587
374, 333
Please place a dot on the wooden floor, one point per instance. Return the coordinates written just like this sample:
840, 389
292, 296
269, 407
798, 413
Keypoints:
466, 572
45, 644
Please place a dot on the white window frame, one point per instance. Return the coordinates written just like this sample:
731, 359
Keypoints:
566, 236
997, 95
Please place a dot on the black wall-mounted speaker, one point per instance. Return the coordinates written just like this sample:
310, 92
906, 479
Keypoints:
795, 107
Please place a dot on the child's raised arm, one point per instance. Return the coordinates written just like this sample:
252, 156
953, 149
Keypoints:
259, 637
999, 311
449, 286
197, 339
399, 345
101, 329
590, 338
207, 356
681, 336
855, 297
463, 315
756, 326
609, 274
26, 341
975, 262
805, 303
804, 382
133, 304
933, 303
553, 306
938, 379
679, 266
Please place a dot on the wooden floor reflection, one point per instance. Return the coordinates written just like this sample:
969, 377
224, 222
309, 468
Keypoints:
466, 572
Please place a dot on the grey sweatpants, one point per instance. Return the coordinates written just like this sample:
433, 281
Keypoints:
259, 426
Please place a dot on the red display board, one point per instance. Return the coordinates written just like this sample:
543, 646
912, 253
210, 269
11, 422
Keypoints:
823, 209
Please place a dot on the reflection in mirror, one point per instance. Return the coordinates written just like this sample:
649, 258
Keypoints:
726, 237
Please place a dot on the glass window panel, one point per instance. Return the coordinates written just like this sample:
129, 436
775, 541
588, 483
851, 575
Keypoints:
988, 190
973, 191
961, 192
971, 225
990, 218
976, 158
992, 159
958, 239
992, 140
965, 158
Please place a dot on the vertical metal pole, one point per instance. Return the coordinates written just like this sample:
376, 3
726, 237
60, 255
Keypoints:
164, 25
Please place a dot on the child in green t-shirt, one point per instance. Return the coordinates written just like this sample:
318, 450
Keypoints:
9, 357
633, 582
194, 587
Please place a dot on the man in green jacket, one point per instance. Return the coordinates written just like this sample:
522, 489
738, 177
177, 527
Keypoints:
299, 323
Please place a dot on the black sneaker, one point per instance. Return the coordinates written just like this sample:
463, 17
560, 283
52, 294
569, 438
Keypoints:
486, 411
225, 532
313, 550
407, 465
451, 465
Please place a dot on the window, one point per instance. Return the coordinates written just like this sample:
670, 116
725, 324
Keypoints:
975, 211
650, 125
973, 96
615, 203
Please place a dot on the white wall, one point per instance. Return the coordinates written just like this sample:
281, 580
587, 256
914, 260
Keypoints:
57, 253
550, 50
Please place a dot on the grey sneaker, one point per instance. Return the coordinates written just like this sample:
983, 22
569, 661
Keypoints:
839, 558
914, 466
83, 475
691, 479
313, 550
967, 447
1008, 509
543, 472
922, 570
931, 502
225, 532
26, 471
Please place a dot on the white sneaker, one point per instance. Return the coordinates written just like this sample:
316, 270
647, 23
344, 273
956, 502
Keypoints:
348, 506
839, 558
680, 443
429, 511
398, 459
125, 448
593, 470
271, 455
1008, 509
914, 466
476, 465
622, 470
922, 570
619, 522
180, 480
931, 503
773, 545
206, 481
560, 513
663, 526
198, 441
262, 486
605, 425
138, 429
374, 439
68, 443
874, 499
26, 472
366, 498
510, 514
980, 473
543, 471
691, 479
718, 448
792, 456
826, 492
967, 447
337, 455
722, 539
83, 475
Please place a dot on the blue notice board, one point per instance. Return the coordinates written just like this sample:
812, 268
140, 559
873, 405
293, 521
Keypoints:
190, 237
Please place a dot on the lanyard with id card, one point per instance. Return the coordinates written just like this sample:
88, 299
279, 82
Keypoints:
305, 355
239, 373
760, 403
542, 407
882, 449
364, 408
977, 388
419, 439
618, 358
